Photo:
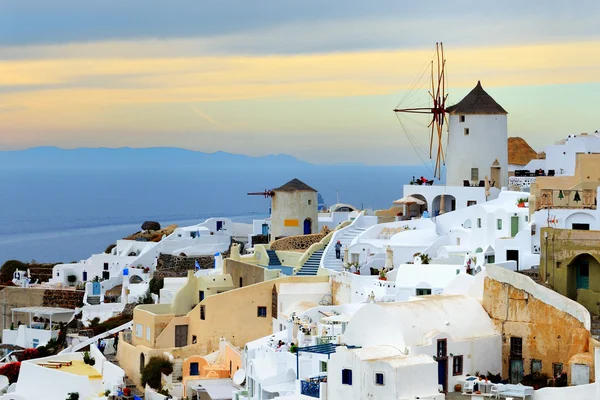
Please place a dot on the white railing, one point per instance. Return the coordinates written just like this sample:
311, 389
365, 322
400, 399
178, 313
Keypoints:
521, 181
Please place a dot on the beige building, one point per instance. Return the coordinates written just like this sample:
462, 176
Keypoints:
239, 316
294, 210
542, 331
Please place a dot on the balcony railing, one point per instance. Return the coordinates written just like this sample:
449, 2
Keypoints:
326, 339
521, 181
561, 198
310, 388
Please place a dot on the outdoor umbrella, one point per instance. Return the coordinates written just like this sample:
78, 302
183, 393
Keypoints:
408, 200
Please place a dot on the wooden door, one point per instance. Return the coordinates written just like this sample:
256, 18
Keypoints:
181, 335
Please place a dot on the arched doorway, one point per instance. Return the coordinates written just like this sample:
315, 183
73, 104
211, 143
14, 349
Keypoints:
578, 276
416, 210
307, 226
142, 361
135, 279
449, 204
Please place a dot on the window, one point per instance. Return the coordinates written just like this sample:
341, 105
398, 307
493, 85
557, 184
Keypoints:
309, 202
527, 218
423, 292
194, 339
346, 377
262, 312
194, 370
457, 365
466, 131
148, 333
474, 174
462, 118
471, 203
499, 222
479, 222
581, 227
536, 366
441, 348
106, 266
35, 343
323, 366
490, 259
241, 281
516, 347
203, 312
139, 330
379, 378
557, 369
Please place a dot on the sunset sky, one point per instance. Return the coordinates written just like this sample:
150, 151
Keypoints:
314, 79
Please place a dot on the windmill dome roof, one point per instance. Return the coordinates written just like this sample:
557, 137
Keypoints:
477, 102
293, 186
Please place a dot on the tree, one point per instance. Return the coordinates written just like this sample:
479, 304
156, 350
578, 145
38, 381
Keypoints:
155, 285
151, 373
151, 226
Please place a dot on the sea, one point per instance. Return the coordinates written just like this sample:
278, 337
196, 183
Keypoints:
66, 215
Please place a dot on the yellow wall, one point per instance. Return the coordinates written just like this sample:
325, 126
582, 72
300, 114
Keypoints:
156, 322
558, 263
548, 334
249, 273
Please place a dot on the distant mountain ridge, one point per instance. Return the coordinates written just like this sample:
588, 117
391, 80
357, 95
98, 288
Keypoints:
128, 157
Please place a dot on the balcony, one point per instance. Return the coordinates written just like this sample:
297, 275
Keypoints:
568, 199
521, 181
312, 387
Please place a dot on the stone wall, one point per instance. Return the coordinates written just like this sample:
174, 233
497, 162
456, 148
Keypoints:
301, 242
63, 298
170, 266
548, 333
243, 273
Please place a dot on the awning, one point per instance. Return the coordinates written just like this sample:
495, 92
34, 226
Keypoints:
43, 310
284, 387
337, 318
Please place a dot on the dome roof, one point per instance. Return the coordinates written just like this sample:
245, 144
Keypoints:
477, 102
519, 152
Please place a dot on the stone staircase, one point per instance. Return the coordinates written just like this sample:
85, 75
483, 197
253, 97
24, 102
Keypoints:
177, 370
311, 266
595, 327
345, 238
273, 259
93, 300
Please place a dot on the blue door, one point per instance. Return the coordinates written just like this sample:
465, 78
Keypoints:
96, 288
442, 375
265, 229
219, 225
307, 226
583, 274
194, 369
85, 276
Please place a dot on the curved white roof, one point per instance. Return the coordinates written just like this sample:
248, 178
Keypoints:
414, 237
403, 324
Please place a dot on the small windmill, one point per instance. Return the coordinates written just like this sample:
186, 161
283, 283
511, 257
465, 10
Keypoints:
437, 110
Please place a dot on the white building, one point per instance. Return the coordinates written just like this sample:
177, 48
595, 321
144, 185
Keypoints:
53, 378
477, 141
381, 372
454, 329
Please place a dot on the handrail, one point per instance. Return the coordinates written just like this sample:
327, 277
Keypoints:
90, 341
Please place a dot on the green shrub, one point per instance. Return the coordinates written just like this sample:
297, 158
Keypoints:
71, 278
109, 248
73, 396
88, 359
151, 372
8, 269
155, 285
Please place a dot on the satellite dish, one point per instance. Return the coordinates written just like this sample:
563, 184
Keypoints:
239, 377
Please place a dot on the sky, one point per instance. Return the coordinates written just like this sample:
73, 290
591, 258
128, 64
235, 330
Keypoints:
314, 79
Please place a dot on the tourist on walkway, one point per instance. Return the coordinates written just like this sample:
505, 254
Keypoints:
116, 341
338, 249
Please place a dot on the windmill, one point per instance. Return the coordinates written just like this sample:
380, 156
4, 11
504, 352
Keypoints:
266, 193
437, 109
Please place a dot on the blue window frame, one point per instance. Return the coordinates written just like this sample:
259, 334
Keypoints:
194, 369
346, 377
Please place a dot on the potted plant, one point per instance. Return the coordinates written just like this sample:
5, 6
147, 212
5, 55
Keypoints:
521, 202
87, 359
382, 276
